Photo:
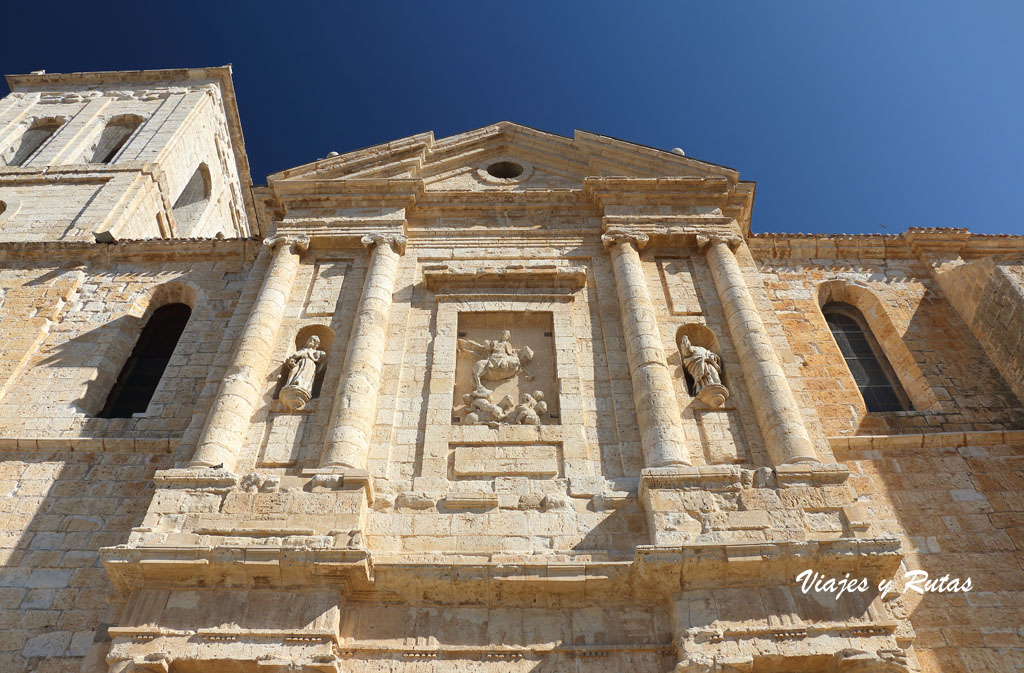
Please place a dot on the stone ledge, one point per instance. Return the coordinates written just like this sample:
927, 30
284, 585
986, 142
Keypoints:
927, 440
254, 567
195, 478
732, 477
99, 444
758, 563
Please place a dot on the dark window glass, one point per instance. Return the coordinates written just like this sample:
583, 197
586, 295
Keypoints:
868, 365
141, 373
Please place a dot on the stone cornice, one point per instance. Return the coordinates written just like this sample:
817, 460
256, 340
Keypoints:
913, 243
439, 276
60, 252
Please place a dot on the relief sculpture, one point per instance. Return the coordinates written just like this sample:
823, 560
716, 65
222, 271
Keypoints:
300, 370
498, 360
506, 412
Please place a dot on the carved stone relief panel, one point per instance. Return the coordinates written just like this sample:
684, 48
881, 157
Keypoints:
503, 441
505, 369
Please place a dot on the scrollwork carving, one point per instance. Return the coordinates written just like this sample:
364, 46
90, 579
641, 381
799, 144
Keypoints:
298, 242
613, 237
704, 241
396, 241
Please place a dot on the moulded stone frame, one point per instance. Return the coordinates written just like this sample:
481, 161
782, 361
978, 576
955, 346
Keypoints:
443, 434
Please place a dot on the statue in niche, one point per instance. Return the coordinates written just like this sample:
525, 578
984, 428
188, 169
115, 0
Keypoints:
506, 412
495, 361
301, 368
706, 369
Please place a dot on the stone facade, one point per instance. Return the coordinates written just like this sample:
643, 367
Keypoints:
434, 409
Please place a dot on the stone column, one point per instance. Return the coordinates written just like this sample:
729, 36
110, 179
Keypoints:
355, 403
774, 405
657, 410
242, 386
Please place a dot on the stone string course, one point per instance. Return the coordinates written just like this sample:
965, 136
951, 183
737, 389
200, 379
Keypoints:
627, 526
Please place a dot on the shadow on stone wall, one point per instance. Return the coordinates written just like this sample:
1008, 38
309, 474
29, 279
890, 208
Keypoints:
59, 509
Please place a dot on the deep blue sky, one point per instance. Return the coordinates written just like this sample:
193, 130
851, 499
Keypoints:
851, 116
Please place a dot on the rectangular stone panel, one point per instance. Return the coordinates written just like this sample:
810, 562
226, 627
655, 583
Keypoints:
527, 329
721, 432
328, 278
677, 276
532, 460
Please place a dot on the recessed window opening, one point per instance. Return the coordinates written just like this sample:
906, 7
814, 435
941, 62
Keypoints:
505, 169
871, 370
191, 203
33, 139
114, 136
145, 366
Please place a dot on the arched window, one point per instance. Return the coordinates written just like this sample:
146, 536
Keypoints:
141, 373
191, 203
875, 377
115, 134
31, 140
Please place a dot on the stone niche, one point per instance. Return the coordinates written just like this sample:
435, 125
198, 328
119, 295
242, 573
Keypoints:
527, 330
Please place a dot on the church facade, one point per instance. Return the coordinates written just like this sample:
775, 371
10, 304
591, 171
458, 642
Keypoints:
504, 401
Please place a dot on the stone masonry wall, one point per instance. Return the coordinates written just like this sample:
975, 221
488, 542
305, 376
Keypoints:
969, 391
57, 508
958, 511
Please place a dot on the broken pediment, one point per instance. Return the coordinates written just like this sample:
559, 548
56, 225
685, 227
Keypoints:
504, 156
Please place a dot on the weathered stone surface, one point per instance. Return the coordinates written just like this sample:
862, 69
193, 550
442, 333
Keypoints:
603, 519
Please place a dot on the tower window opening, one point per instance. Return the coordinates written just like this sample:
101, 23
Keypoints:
114, 137
141, 374
32, 140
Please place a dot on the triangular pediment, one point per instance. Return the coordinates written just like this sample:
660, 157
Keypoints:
533, 160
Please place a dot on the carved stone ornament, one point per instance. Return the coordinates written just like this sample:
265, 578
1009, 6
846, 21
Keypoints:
301, 368
506, 412
299, 242
396, 241
613, 237
706, 369
495, 361
704, 241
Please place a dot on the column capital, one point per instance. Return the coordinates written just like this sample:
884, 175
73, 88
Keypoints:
613, 237
298, 242
705, 241
396, 241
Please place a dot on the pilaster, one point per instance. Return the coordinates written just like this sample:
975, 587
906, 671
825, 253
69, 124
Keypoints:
657, 411
777, 413
241, 387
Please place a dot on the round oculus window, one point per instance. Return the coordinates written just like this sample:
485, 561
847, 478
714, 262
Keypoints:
505, 170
